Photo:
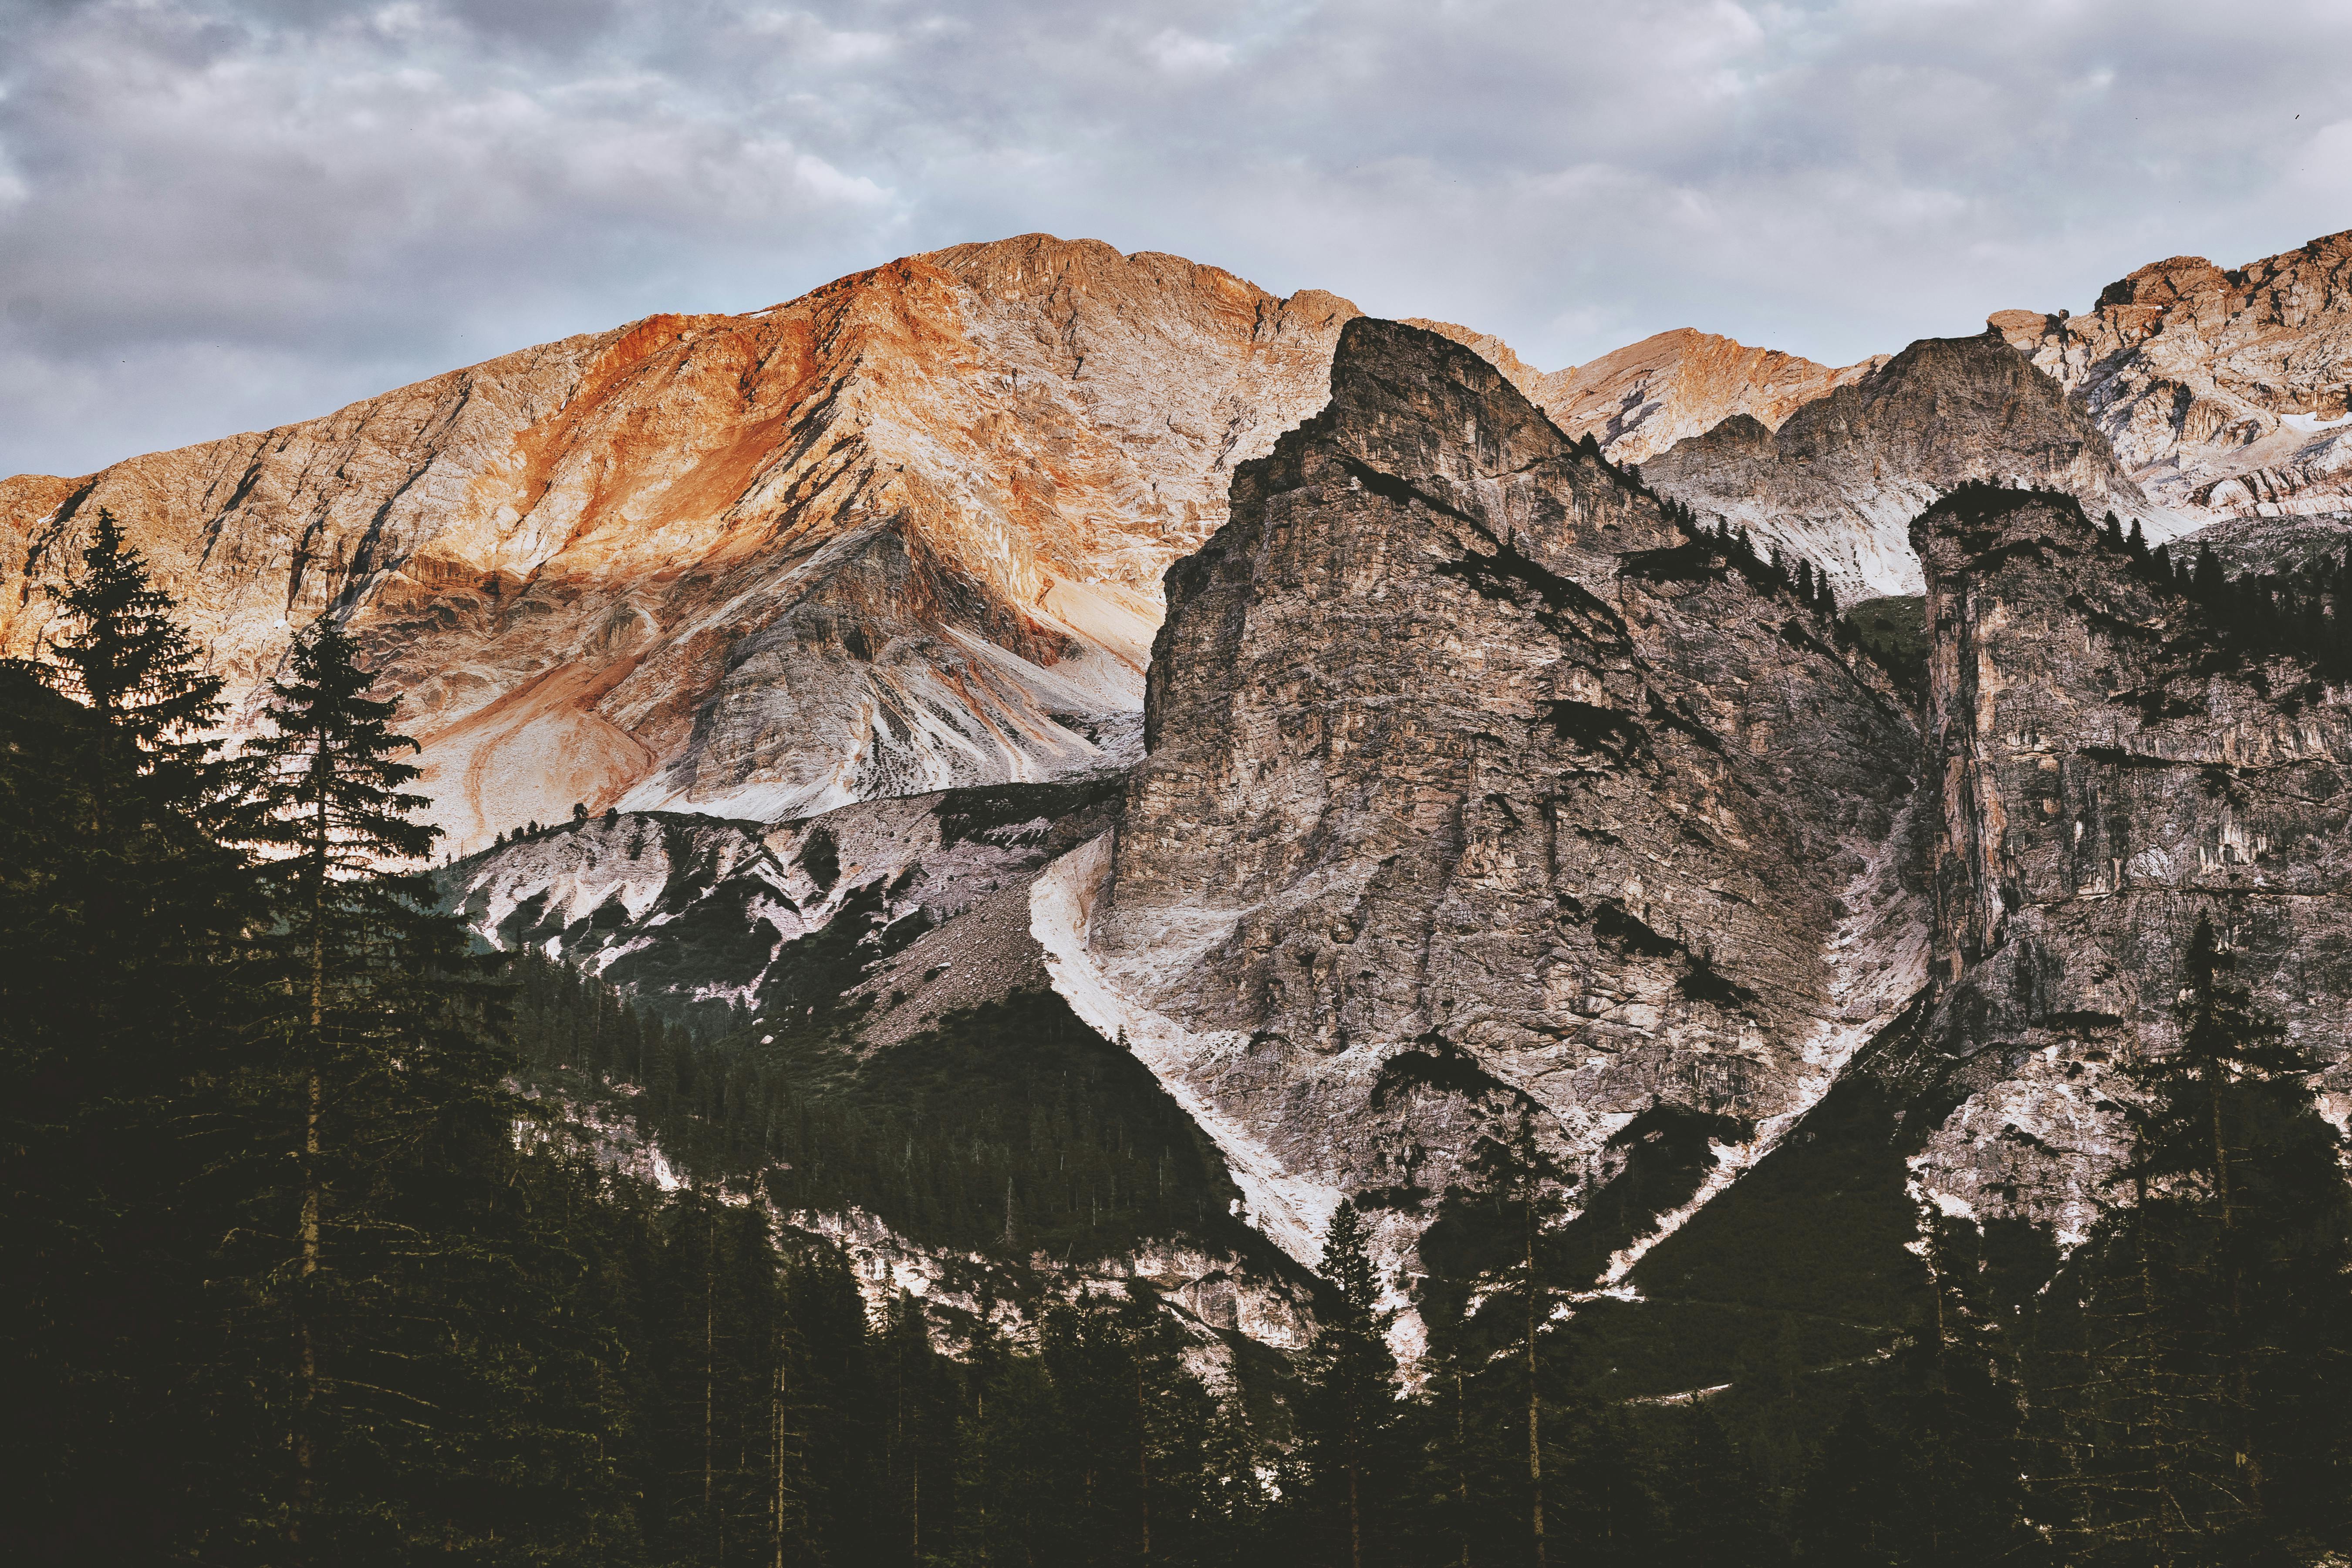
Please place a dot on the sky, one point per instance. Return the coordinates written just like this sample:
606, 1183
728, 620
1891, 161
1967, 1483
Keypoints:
217, 217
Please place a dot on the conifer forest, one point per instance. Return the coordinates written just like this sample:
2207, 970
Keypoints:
317, 1252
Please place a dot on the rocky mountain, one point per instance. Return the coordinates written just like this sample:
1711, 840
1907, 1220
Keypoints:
901, 534
1642, 399
1841, 479
2223, 391
1501, 832
900, 910
1468, 819
2114, 767
1477, 824
1475, 847
906, 532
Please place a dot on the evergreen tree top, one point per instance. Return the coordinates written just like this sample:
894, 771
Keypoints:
124, 654
328, 782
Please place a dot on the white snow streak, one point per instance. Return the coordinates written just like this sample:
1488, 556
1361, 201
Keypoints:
1291, 1210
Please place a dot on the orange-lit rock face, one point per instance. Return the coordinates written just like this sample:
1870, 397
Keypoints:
1642, 399
904, 533
2224, 393
1639, 400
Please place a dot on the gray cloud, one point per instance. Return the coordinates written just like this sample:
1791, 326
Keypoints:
218, 216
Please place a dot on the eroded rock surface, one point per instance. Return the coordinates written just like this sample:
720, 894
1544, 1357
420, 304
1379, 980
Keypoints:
904, 532
2224, 392
1841, 480
1642, 398
2110, 769
900, 910
1482, 804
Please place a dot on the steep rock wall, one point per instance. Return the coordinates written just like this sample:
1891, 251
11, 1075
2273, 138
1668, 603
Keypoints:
1484, 807
2110, 769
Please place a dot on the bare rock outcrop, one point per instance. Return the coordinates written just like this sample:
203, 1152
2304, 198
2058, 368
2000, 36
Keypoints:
1640, 399
2112, 768
901, 909
2224, 392
1841, 480
1482, 805
903, 533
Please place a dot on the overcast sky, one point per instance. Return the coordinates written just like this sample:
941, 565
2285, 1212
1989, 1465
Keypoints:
218, 217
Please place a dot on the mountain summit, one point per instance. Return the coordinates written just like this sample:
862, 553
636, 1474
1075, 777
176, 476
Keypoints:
903, 532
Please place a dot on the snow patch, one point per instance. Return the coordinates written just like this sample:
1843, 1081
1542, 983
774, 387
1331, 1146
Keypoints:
1878, 960
1292, 1211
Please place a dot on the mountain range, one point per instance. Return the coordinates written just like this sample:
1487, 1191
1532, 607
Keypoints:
1447, 778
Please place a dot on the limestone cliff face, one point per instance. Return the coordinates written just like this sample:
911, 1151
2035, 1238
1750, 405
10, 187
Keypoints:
1481, 804
1642, 398
1639, 400
2224, 393
2109, 770
1841, 480
902, 533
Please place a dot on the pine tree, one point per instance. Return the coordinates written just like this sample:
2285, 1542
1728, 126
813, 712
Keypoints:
1347, 1408
124, 983
384, 1086
124, 654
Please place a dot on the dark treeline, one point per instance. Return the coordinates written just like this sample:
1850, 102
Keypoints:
2305, 611
1012, 1126
301, 1268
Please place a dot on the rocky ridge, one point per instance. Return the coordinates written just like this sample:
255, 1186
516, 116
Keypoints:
1467, 819
2224, 392
1639, 400
891, 907
1839, 481
901, 534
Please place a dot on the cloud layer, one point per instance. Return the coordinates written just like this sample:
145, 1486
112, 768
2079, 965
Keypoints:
218, 216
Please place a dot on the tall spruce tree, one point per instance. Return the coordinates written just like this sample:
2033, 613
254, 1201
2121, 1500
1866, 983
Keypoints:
123, 923
1346, 1407
122, 986
369, 1238
121, 651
